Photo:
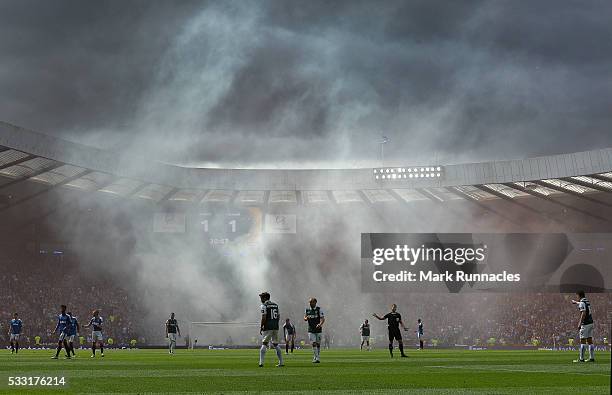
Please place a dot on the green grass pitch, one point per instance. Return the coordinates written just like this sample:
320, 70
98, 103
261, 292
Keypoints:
340, 371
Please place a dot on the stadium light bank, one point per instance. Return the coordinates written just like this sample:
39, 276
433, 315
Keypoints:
405, 173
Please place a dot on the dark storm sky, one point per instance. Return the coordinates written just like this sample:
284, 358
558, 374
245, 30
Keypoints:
308, 83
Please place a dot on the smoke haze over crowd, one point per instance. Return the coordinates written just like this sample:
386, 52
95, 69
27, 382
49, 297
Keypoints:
287, 84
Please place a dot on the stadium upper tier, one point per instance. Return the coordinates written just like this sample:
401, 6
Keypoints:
28, 157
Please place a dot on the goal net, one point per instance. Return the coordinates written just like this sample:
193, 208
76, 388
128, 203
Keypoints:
223, 334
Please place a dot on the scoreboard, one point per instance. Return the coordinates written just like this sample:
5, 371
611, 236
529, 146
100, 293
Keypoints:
224, 224
228, 224
213, 225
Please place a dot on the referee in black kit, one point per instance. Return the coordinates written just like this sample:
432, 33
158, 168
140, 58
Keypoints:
394, 320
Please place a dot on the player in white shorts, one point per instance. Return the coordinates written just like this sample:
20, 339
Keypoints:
315, 317
96, 334
364, 329
585, 327
172, 328
270, 317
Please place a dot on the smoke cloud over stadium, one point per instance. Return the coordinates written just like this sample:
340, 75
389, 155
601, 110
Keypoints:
279, 84
228, 83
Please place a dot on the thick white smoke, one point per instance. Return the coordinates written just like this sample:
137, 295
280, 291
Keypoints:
233, 89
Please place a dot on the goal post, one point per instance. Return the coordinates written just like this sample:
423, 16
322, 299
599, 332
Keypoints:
223, 334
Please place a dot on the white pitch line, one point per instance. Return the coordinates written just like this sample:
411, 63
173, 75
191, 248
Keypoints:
517, 370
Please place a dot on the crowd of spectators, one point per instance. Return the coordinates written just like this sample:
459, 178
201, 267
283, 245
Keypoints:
36, 286
511, 319
35, 289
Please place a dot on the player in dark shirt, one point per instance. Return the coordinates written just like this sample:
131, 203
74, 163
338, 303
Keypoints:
289, 331
269, 328
16, 326
63, 324
394, 320
316, 318
364, 329
419, 333
96, 334
172, 329
72, 333
585, 327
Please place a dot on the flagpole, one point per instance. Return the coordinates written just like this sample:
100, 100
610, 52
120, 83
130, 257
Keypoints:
382, 143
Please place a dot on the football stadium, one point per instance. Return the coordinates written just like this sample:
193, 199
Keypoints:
197, 197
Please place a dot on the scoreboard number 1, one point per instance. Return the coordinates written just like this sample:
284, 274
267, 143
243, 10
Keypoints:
231, 223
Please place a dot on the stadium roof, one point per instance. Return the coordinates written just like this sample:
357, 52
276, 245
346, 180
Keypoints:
33, 164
